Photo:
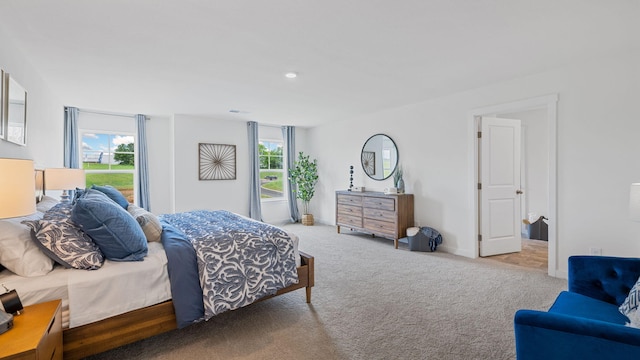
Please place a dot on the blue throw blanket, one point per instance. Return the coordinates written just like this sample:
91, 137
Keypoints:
219, 261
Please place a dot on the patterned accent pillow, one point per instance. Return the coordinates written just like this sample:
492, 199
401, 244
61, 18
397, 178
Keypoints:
148, 222
66, 244
632, 301
60, 212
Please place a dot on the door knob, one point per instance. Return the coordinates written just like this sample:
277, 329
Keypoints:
519, 191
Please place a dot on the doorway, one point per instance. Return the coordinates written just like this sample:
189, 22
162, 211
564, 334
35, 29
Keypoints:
542, 200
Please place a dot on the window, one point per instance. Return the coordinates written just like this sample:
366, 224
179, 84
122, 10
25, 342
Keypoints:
109, 159
271, 169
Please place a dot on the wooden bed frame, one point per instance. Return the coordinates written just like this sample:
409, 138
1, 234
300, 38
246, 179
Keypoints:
140, 324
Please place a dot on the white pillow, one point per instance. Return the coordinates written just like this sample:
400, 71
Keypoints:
46, 203
632, 301
148, 222
18, 252
634, 318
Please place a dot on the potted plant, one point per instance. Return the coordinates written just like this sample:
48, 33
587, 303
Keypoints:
398, 181
304, 177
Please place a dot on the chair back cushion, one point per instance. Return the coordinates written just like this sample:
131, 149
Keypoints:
605, 278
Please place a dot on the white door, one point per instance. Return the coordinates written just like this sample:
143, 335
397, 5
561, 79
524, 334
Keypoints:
499, 193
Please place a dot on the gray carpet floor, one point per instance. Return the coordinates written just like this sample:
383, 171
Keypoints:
370, 302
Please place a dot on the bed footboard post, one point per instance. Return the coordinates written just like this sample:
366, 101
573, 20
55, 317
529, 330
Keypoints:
308, 260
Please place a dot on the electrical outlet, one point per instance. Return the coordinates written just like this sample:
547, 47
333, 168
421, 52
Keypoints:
595, 251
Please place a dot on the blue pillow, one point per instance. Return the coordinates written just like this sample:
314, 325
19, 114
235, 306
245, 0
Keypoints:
111, 227
113, 194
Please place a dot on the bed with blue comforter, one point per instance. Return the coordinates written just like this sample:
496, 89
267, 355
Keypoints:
220, 261
215, 261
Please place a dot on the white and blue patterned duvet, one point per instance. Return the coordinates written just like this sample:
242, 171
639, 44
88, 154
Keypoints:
237, 261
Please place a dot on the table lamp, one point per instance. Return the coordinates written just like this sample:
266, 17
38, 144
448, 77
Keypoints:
64, 179
17, 188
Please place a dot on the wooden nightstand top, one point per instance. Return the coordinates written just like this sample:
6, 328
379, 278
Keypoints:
28, 328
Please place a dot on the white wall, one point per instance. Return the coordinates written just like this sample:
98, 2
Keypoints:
192, 193
598, 132
175, 141
45, 112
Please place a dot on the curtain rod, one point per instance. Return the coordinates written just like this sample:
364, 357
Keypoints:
272, 126
109, 113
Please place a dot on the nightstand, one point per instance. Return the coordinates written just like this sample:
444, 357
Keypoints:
36, 334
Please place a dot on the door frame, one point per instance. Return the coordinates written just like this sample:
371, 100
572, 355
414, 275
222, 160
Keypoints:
548, 102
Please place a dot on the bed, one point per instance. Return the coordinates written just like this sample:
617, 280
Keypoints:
96, 319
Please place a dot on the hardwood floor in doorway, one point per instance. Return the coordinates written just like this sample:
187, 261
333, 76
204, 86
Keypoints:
534, 255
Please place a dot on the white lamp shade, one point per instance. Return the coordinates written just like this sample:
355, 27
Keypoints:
634, 202
17, 188
63, 179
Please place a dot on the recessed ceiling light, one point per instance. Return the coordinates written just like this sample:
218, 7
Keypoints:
291, 75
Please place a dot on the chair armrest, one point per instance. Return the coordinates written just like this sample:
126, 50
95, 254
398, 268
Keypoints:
604, 278
544, 335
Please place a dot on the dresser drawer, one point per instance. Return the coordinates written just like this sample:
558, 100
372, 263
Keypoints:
349, 210
382, 228
350, 199
380, 203
377, 214
348, 220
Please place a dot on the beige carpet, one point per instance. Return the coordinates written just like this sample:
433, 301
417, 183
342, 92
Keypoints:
370, 302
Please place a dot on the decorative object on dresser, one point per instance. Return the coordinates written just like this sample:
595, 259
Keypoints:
304, 177
36, 334
350, 177
387, 216
398, 181
382, 148
64, 179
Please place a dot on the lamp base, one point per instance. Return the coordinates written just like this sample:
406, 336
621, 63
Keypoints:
64, 197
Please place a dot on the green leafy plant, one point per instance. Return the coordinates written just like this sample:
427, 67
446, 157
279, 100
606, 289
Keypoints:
304, 177
397, 175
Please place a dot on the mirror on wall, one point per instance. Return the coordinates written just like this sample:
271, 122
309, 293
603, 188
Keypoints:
379, 157
15, 112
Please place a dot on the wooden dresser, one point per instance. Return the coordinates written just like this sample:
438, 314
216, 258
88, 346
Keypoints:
387, 216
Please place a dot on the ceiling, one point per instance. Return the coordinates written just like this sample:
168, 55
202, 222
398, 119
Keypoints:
353, 57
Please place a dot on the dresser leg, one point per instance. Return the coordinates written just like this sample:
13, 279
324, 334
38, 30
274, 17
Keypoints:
395, 243
338, 227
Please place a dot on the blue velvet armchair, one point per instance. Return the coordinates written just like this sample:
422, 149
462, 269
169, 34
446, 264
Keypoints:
584, 322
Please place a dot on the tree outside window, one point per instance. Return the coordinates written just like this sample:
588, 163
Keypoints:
271, 156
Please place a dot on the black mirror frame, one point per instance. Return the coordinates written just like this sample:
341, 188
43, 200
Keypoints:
395, 167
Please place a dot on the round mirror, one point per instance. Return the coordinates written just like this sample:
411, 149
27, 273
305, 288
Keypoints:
379, 157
